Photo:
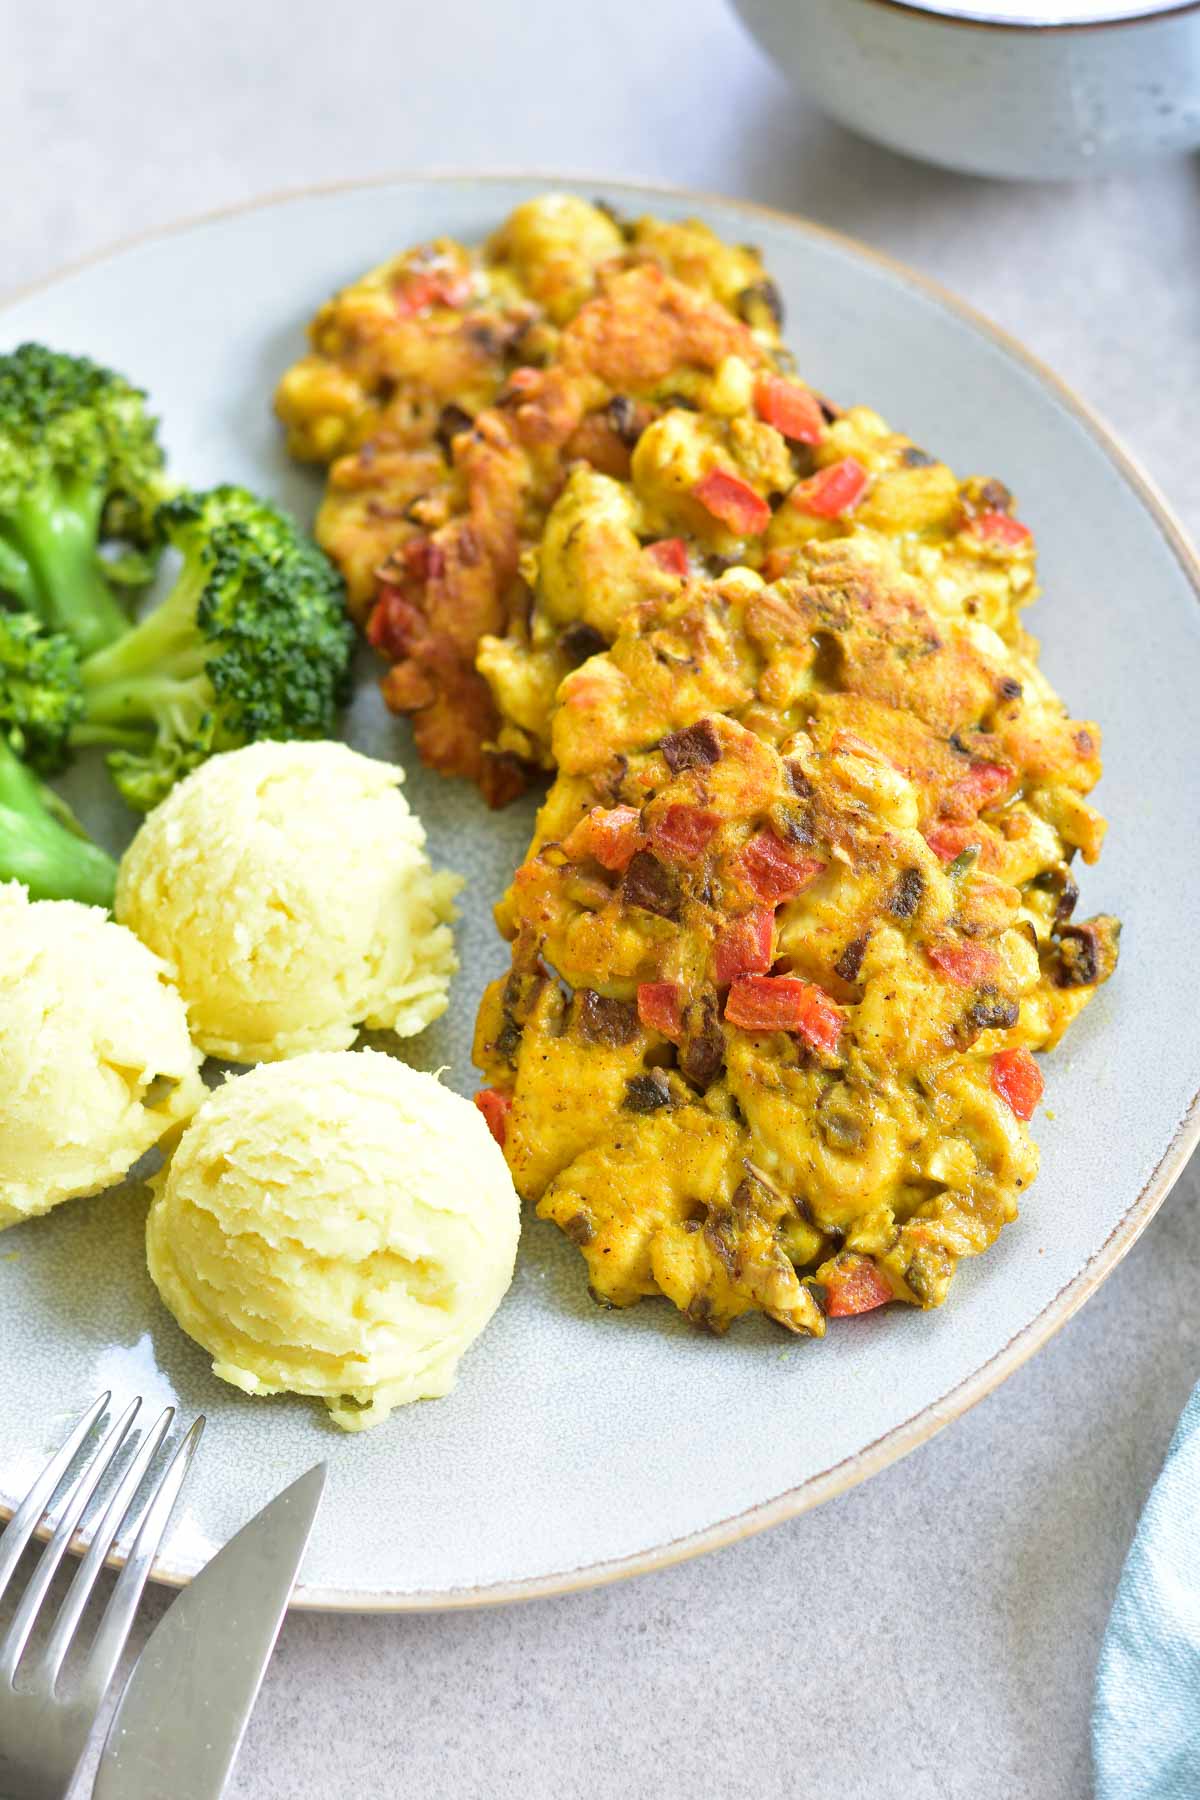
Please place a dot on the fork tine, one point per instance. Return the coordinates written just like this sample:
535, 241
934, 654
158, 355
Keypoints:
78, 1495
24, 1521
50, 1660
118, 1616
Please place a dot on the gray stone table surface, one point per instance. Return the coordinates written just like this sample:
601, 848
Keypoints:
975, 1577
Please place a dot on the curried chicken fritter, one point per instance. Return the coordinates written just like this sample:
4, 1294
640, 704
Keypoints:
797, 910
610, 543
799, 905
452, 391
526, 440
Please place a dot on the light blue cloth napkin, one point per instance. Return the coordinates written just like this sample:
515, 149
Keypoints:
1146, 1719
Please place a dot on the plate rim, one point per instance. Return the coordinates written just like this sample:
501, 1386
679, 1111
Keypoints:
922, 1425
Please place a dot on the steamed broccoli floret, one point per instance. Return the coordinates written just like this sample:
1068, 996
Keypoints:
80, 473
252, 642
40, 696
40, 699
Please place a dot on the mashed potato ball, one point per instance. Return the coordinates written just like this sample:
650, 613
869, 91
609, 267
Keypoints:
288, 886
95, 1061
340, 1226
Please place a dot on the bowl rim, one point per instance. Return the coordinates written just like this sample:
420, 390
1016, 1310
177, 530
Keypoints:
938, 12
898, 1442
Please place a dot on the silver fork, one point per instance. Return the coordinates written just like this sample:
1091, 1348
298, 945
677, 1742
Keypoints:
43, 1733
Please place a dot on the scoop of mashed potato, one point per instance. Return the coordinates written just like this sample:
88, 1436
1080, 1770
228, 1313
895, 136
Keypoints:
288, 886
95, 1061
341, 1226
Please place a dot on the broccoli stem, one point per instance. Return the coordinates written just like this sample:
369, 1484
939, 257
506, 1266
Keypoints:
56, 530
150, 683
38, 850
128, 714
166, 643
16, 576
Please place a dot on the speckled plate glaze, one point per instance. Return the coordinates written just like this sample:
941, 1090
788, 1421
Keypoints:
581, 1445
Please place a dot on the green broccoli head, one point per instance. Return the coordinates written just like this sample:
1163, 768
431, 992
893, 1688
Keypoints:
40, 695
81, 478
252, 642
40, 699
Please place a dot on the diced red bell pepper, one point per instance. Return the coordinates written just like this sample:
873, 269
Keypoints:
773, 870
832, 491
734, 502
1018, 1081
743, 947
418, 289
522, 381
823, 1021
966, 963
784, 1003
394, 624
790, 408
660, 1008
854, 1285
671, 556
495, 1105
682, 832
610, 835
977, 788
999, 528
423, 559
948, 839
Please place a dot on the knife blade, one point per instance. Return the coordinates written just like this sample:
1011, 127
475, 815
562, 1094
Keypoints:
179, 1723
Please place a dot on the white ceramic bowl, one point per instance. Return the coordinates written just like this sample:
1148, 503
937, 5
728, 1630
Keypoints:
1029, 88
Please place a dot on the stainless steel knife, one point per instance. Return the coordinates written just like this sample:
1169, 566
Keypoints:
179, 1723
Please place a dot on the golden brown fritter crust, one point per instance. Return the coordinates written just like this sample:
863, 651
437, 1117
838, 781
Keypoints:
881, 831
592, 563
504, 473
799, 902
452, 392
522, 443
